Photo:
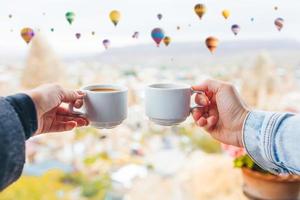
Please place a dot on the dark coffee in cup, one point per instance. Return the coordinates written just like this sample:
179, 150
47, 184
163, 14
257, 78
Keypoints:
104, 90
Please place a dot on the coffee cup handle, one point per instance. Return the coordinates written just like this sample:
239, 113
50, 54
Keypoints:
196, 92
76, 113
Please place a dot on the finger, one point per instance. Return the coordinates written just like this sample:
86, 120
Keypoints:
202, 100
202, 122
201, 87
213, 111
63, 114
63, 126
209, 94
80, 120
211, 122
197, 113
212, 118
62, 110
209, 85
70, 96
66, 112
81, 92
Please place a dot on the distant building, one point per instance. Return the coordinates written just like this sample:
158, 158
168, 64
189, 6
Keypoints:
42, 65
262, 87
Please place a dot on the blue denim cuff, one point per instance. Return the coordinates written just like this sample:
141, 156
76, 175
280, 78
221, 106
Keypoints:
258, 139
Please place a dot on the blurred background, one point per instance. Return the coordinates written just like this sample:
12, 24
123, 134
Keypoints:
140, 160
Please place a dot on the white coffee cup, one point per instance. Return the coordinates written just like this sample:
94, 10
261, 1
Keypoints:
105, 109
169, 104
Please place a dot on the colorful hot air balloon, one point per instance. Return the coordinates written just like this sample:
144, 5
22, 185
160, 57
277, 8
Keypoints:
159, 16
27, 34
157, 35
167, 40
77, 35
235, 29
135, 35
115, 17
200, 10
226, 13
212, 43
70, 16
279, 23
106, 43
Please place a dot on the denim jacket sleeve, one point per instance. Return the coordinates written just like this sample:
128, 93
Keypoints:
273, 141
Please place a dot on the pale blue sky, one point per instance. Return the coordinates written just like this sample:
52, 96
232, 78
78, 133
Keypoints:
140, 15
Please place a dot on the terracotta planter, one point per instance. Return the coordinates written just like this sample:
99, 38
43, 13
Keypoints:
258, 186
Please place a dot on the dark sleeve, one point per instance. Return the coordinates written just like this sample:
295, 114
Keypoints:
26, 111
12, 137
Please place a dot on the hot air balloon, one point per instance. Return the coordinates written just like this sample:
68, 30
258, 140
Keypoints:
115, 17
167, 40
235, 29
157, 35
70, 16
226, 13
159, 16
279, 23
77, 35
27, 34
135, 35
200, 10
106, 43
212, 43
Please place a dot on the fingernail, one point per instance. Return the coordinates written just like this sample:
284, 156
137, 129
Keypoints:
81, 93
203, 101
71, 125
77, 104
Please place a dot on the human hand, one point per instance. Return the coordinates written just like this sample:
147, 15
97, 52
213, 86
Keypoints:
52, 117
223, 112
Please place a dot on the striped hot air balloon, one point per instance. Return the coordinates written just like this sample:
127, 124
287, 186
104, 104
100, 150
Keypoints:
235, 29
212, 43
279, 23
27, 34
157, 35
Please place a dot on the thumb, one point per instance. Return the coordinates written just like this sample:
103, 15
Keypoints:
70, 96
209, 85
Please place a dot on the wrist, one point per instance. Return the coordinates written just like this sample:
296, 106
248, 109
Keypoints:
244, 117
35, 97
